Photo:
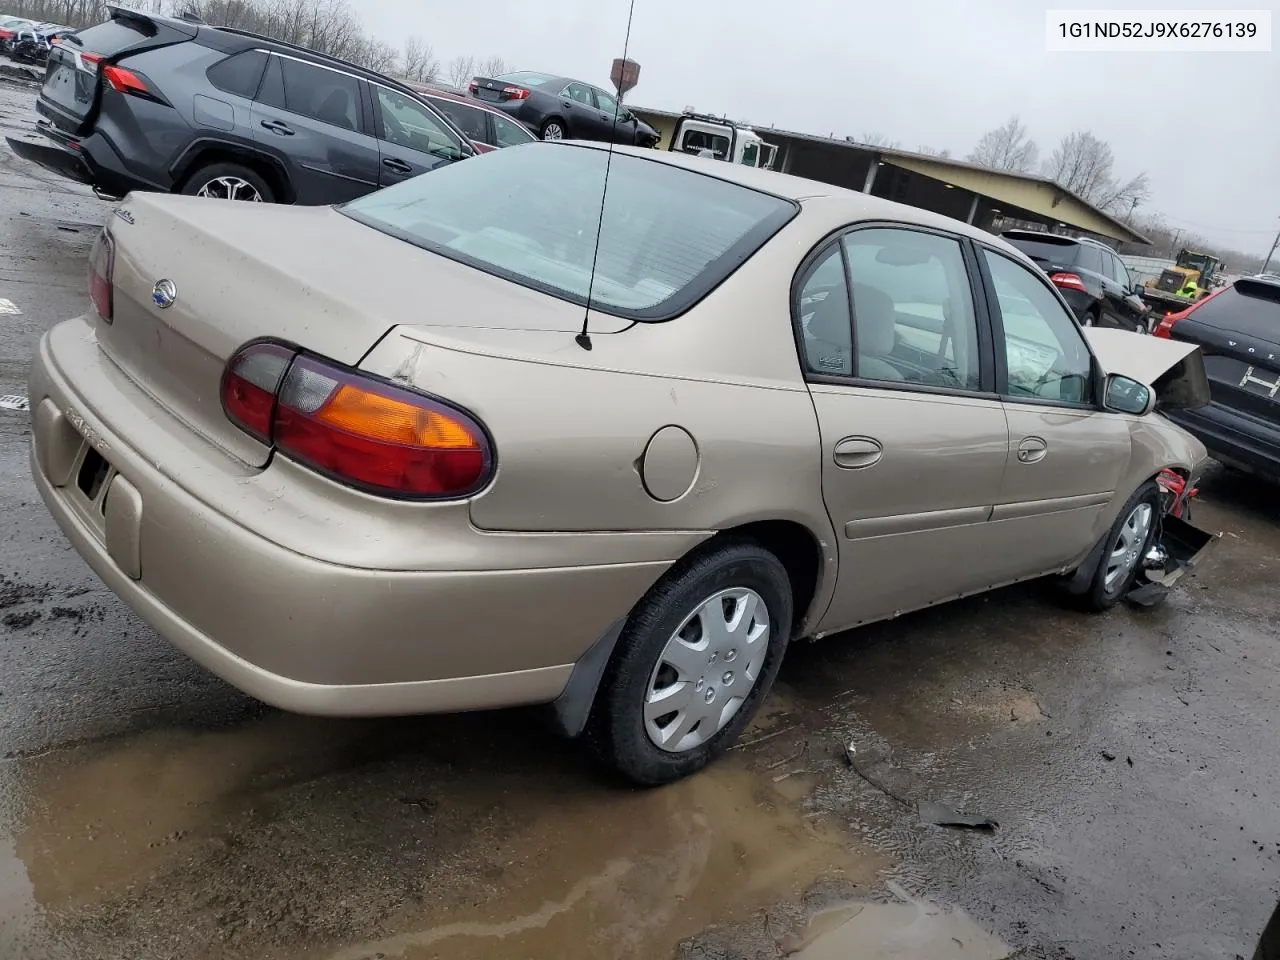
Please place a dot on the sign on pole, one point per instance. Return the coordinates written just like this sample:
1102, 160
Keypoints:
625, 75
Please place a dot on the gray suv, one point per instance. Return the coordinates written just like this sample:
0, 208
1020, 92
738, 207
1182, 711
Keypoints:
147, 102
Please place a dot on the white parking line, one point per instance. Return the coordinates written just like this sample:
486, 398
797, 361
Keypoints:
14, 402
7, 307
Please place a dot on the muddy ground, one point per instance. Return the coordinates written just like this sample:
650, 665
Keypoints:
148, 811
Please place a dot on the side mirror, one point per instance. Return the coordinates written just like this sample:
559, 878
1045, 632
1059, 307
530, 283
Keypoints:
1126, 395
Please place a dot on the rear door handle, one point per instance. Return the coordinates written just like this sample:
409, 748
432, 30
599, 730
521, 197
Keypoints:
1032, 450
278, 126
854, 453
399, 166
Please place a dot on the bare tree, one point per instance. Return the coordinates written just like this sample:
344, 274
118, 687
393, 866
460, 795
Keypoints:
1083, 163
933, 152
419, 61
1007, 147
493, 67
878, 140
460, 71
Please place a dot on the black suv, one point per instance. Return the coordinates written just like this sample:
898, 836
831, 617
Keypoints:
1091, 277
154, 103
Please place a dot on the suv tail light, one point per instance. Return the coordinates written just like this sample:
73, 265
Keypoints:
102, 266
125, 81
1068, 281
1165, 327
354, 428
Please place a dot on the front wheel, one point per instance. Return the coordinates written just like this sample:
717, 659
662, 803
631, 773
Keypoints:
1124, 547
697, 656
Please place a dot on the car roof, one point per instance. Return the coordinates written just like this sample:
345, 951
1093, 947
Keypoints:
859, 206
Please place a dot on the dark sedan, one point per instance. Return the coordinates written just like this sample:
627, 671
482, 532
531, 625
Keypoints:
560, 108
1238, 330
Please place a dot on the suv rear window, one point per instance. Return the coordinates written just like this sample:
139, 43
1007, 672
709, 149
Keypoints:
1061, 250
1249, 307
667, 235
239, 74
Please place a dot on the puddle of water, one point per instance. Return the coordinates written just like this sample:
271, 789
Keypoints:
908, 930
17, 903
491, 841
633, 875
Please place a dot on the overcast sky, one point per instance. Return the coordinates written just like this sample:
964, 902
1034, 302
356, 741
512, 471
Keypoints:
1205, 127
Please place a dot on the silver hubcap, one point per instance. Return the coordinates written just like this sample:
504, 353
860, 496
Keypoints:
553, 132
707, 670
230, 188
1128, 546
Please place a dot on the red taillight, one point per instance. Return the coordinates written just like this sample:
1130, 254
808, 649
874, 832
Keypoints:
1068, 281
1165, 327
516, 93
250, 384
473, 87
124, 81
102, 265
356, 429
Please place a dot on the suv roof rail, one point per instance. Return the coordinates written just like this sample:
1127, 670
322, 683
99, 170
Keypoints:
319, 57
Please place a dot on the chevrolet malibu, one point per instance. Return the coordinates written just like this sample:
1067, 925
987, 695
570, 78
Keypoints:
501, 435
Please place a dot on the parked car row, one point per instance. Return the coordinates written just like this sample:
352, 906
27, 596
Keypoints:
145, 102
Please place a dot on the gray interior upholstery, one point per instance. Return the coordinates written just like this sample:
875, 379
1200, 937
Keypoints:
877, 335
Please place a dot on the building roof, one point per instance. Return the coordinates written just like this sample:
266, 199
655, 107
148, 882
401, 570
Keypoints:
1031, 192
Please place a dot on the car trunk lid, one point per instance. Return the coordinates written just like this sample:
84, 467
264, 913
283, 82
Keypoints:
72, 82
305, 275
1238, 329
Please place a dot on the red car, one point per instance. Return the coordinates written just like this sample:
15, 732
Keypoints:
486, 127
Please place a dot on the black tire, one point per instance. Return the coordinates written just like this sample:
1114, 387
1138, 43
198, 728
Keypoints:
208, 176
558, 124
616, 731
1099, 596
1093, 317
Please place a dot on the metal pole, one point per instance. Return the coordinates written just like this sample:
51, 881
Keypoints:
871, 174
1270, 254
973, 209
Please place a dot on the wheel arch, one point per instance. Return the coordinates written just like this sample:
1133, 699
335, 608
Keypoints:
810, 566
207, 151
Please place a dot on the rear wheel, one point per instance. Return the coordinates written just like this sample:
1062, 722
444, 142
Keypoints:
1124, 547
552, 130
697, 656
229, 181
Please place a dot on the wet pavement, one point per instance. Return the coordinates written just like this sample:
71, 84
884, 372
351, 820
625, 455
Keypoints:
148, 811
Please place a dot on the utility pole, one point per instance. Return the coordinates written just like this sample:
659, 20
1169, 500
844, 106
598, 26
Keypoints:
1270, 254
1173, 252
1132, 207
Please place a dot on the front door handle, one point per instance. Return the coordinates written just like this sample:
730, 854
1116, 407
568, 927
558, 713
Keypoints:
854, 453
278, 126
1032, 450
399, 166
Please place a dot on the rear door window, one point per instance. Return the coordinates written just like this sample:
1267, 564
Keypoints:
239, 74
579, 92
913, 312
468, 119
826, 332
508, 133
321, 94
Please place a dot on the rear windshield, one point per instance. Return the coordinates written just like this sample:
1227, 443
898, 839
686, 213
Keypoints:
114, 35
1250, 308
1058, 251
527, 77
531, 213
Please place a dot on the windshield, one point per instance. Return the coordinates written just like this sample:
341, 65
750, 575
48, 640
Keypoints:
532, 213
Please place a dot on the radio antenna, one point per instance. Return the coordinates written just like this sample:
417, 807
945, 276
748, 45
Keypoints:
583, 339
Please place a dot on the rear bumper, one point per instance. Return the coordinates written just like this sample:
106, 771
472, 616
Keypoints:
300, 633
1237, 439
92, 161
